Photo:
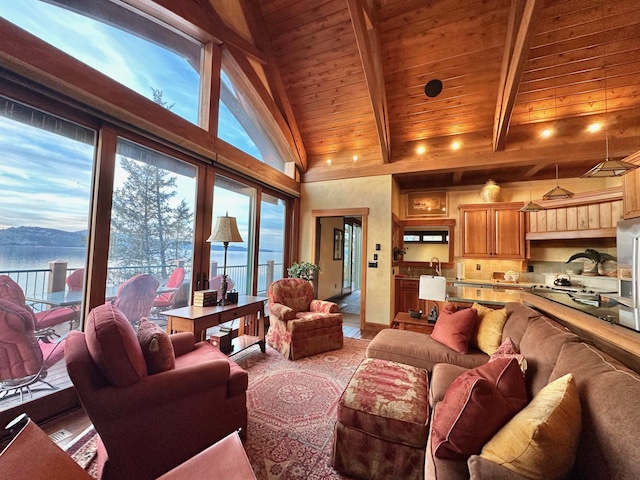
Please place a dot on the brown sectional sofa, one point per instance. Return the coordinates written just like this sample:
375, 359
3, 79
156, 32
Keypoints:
609, 393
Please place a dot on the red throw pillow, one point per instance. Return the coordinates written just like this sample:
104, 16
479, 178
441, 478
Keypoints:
475, 406
156, 347
454, 329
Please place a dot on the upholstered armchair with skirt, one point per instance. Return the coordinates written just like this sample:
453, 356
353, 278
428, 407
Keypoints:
301, 325
155, 400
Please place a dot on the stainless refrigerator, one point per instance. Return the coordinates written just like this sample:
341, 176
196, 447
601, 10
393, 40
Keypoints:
628, 247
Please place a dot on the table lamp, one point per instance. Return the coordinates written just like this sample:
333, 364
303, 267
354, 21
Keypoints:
432, 288
225, 231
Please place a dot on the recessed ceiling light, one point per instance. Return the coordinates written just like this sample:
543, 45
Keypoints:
455, 145
594, 127
329, 162
546, 133
420, 150
355, 158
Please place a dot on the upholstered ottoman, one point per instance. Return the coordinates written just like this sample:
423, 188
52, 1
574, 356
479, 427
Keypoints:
382, 426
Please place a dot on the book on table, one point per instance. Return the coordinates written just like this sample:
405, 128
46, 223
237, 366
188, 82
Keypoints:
205, 298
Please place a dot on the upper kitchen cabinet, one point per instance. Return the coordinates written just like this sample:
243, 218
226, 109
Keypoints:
494, 230
631, 188
585, 215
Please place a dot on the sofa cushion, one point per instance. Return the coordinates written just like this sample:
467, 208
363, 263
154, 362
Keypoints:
609, 394
202, 351
455, 329
420, 350
156, 347
476, 405
508, 350
518, 317
114, 347
541, 346
488, 333
540, 441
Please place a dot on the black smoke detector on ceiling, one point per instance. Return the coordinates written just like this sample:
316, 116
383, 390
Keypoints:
433, 88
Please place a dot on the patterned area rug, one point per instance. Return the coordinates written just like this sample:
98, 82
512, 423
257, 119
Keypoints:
292, 411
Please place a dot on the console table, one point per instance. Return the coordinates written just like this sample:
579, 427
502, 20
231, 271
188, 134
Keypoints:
402, 319
197, 319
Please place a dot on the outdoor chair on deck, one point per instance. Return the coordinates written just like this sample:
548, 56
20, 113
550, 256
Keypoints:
156, 406
135, 297
24, 359
164, 301
299, 324
45, 320
75, 280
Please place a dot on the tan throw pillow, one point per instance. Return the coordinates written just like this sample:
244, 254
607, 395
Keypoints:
540, 441
156, 347
488, 334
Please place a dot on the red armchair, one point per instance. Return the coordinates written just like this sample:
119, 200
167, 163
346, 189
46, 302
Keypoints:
45, 320
300, 325
164, 301
149, 424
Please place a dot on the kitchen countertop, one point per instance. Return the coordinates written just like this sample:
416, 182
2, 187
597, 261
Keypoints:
479, 283
484, 296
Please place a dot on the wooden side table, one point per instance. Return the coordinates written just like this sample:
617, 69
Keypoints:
402, 319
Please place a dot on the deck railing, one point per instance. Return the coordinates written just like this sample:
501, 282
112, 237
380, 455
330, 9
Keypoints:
37, 281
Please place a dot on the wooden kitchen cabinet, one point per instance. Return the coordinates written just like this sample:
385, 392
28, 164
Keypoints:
407, 297
631, 189
494, 230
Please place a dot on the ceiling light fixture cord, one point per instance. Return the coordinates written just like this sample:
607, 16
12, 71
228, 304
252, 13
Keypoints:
608, 168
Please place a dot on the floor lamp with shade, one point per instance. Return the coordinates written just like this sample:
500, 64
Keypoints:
225, 231
435, 289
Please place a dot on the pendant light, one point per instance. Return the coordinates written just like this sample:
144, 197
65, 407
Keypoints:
531, 206
608, 168
558, 191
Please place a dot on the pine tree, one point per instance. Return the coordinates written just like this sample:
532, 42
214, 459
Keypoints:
146, 230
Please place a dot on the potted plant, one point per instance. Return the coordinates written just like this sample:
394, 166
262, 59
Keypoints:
304, 270
398, 253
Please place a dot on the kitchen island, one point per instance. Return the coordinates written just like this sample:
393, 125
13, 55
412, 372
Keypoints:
483, 296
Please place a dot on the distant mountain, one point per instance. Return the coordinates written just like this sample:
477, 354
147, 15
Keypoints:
41, 237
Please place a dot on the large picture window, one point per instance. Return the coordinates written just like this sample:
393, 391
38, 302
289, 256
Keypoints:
142, 53
45, 180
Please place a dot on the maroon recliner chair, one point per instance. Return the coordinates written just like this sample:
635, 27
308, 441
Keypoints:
149, 424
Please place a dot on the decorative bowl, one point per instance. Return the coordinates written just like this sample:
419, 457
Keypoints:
415, 313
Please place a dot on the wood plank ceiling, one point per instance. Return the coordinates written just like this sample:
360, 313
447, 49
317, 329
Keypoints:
355, 74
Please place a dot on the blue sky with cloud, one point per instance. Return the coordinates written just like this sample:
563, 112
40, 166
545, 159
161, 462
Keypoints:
45, 178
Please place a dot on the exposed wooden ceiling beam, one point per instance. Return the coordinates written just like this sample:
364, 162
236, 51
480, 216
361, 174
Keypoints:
522, 20
369, 49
